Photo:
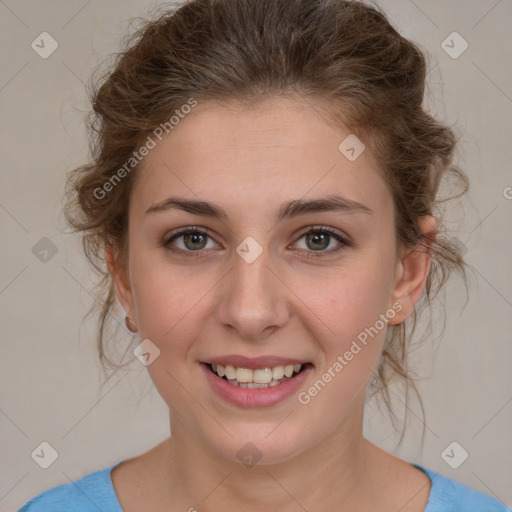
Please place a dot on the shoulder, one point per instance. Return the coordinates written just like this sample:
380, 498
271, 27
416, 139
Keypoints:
92, 492
447, 495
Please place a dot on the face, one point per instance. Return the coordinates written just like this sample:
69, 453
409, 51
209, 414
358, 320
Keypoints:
304, 286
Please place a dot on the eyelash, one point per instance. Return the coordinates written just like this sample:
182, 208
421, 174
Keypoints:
314, 230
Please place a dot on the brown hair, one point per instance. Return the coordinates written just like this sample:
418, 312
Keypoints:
345, 53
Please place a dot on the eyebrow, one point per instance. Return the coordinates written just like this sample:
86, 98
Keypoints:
288, 210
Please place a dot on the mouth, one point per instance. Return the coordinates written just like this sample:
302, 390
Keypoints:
258, 378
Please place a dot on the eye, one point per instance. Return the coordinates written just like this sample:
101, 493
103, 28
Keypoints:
319, 238
193, 240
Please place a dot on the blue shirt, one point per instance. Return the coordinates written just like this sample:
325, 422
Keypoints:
95, 492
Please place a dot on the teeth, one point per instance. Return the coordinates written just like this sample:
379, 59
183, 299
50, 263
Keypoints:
278, 372
229, 371
253, 385
261, 377
288, 370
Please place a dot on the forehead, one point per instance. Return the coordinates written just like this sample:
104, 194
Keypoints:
280, 148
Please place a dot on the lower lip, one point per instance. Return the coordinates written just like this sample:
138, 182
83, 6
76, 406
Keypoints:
258, 397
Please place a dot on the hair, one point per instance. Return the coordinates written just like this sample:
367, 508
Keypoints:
344, 54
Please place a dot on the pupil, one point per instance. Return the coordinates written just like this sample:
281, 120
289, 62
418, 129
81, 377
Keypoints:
194, 239
323, 236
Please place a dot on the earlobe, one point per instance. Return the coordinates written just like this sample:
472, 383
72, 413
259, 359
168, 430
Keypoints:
413, 270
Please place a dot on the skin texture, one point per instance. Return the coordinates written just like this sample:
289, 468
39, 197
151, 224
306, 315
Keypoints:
248, 161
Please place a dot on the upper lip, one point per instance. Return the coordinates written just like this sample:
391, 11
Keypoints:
254, 363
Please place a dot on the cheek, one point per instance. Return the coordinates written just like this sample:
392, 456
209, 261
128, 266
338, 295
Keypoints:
349, 308
167, 304
354, 297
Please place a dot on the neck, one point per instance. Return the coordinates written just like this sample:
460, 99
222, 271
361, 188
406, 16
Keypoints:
200, 478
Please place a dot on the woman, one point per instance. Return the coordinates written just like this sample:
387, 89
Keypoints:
262, 194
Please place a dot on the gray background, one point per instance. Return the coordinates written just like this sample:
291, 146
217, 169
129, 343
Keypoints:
50, 382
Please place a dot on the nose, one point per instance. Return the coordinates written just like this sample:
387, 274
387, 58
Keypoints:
253, 300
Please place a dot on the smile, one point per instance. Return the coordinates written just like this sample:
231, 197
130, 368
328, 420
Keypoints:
244, 390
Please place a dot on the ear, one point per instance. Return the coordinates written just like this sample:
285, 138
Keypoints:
119, 272
412, 271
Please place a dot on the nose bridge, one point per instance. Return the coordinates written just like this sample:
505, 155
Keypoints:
253, 298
